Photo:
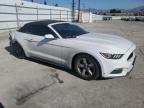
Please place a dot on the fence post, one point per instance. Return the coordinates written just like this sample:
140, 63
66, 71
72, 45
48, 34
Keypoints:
17, 17
73, 15
50, 14
37, 13
60, 15
67, 16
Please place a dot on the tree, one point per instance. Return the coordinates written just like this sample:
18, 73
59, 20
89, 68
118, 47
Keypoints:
56, 5
45, 3
136, 14
104, 13
115, 11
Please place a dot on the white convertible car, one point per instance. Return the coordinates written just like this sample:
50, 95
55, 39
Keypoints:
90, 55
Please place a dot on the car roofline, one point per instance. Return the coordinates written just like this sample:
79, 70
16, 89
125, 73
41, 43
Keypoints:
58, 23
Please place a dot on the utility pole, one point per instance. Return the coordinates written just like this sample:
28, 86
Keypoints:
79, 8
73, 10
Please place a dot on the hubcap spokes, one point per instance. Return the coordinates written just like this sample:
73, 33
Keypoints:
85, 67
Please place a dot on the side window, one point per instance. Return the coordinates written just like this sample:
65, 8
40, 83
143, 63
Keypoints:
38, 30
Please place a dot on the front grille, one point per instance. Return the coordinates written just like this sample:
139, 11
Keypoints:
130, 56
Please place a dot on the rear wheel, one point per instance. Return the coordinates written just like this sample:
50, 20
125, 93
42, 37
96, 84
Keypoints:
17, 50
86, 67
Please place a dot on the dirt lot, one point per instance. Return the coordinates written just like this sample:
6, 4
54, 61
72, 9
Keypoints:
33, 84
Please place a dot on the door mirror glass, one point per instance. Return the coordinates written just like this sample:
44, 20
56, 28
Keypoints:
49, 36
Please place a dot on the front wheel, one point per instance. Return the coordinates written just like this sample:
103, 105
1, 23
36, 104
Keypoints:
86, 67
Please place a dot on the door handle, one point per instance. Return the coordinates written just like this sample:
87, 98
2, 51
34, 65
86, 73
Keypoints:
29, 39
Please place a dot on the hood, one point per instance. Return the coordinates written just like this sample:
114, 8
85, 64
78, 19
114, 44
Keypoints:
104, 42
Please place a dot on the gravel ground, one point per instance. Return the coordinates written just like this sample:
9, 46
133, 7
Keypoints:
32, 84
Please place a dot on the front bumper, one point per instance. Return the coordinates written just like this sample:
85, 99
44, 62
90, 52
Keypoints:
121, 67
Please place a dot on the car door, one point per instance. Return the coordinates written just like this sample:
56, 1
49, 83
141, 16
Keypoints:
41, 47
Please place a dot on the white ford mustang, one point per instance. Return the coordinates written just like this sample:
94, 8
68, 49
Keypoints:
90, 55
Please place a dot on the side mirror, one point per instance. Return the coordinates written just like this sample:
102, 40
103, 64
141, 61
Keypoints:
49, 36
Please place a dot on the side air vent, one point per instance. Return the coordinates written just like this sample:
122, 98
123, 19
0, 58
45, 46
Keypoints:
130, 56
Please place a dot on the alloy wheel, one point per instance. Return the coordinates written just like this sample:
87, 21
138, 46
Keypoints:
85, 67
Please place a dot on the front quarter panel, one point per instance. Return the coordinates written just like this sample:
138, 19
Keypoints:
71, 48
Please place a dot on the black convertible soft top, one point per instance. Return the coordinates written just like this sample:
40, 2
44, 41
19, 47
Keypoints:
44, 22
37, 23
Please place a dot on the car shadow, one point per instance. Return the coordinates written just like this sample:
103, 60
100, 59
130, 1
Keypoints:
69, 71
9, 49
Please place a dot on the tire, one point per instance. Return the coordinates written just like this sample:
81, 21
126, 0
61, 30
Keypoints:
86, 67
17, 50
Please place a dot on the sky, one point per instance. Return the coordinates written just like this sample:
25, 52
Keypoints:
98, 4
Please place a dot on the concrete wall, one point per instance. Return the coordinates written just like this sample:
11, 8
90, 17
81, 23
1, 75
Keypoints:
86, 17
97, 17
12, 11
116, 17
100, 17
10, 2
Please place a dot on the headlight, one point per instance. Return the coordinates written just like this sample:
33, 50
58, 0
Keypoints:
111, 56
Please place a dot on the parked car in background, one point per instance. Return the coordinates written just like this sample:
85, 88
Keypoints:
90, 55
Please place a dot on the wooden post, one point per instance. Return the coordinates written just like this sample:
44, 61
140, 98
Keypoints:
37, 13
50, 14
16, 7
60, 14
79, 6
67, 16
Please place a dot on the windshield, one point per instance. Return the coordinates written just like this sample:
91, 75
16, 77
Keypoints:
67, 30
